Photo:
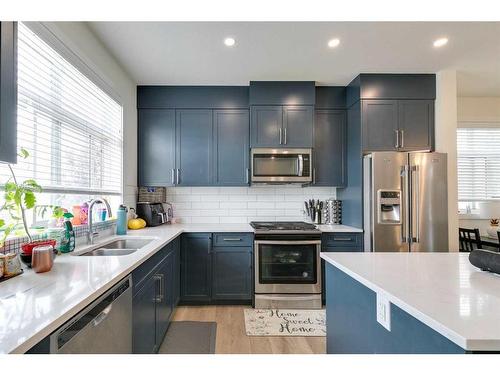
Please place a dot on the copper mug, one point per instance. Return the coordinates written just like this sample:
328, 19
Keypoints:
43, 258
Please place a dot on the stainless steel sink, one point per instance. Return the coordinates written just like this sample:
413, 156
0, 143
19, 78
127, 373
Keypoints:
130, 243
101, 252
118, 247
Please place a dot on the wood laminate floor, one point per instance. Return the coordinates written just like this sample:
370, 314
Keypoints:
231, 337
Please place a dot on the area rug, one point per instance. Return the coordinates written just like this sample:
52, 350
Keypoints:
277, 322
189, 338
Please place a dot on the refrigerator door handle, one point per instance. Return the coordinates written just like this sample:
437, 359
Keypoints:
405, 223
415, 181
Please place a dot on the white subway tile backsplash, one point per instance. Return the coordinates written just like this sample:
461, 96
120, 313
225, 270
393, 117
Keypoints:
203, 204
233, 204
243, 204
261, 205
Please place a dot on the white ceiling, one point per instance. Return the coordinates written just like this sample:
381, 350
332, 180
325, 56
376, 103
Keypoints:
193, 53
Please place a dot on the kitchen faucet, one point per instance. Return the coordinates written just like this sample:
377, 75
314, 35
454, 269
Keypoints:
91, 234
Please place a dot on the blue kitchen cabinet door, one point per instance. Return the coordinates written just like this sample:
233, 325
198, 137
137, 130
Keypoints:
380, 125
194, 147
298, 126
144, 318
8, 92
165, 299
231, 147
330, 148
232, 273
156, 147
266, 126
416, 124
196, 267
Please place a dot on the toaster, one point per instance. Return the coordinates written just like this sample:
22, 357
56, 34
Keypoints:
154, 213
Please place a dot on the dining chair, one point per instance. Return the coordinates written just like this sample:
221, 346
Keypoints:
470, 239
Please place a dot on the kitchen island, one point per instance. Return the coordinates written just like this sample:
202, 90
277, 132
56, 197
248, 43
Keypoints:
428, 302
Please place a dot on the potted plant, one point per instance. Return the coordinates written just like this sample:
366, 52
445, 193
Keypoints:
20, 197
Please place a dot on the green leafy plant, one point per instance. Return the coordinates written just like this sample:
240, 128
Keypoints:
20, 197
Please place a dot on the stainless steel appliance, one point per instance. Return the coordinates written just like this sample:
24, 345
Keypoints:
287, 265
154, 213
405, 202
281, 165
104, 327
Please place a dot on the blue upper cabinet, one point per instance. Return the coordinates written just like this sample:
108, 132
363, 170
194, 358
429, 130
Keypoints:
298, 126
193, 135
267, 126
416, 124
231, 147
194, 147
156, 147
330, 148
8, 92
282, 113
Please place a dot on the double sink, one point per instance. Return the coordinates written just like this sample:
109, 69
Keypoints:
118, 247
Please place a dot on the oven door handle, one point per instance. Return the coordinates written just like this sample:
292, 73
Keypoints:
265, 242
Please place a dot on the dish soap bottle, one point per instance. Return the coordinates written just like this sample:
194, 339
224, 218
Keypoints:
68, 239
121, 222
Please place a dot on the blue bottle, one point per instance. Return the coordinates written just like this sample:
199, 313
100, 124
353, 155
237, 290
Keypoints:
121, 222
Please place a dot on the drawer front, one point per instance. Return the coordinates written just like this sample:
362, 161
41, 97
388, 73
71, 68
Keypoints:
345, 240
232, 239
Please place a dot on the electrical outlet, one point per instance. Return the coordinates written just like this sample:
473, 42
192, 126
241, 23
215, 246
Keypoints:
384, 311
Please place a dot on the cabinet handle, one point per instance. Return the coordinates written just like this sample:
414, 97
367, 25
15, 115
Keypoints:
402, 138
159, 296
248, 175
173, 176
314, 176
177, 177
397, 139
281, 136
343, 239
285, 135
231, 239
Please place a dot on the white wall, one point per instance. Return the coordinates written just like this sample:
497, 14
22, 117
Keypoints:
446, 141
81, 41
243, 204
478, 111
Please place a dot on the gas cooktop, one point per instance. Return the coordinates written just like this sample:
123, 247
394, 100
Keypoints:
283, 226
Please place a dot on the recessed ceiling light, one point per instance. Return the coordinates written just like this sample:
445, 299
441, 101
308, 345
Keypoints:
332, 43
229, 42
440, 42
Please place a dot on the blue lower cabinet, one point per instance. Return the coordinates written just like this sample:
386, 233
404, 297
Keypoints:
165, 299
232, 273
144, 318
342, 242
154, 299
352, 326
177, 270
216, 274
196, 277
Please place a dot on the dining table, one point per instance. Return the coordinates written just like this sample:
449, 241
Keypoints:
491, 243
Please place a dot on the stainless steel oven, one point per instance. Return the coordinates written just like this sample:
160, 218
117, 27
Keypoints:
288, 271
281, 165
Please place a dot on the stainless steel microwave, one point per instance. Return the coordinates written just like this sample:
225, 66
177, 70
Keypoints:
281, 165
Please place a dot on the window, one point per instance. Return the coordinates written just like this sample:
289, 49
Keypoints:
69, 125
478, 160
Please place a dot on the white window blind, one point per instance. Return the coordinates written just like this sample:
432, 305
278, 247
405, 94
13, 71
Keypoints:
478, 159
71, 128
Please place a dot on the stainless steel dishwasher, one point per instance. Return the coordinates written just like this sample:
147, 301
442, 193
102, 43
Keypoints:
105, 326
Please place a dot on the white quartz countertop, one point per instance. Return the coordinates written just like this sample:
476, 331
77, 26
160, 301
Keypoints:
338, 228
33, 305
442, 290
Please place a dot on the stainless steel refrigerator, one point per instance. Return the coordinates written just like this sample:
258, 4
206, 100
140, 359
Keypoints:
405, 202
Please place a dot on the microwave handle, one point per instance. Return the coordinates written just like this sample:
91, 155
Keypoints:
300, 161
